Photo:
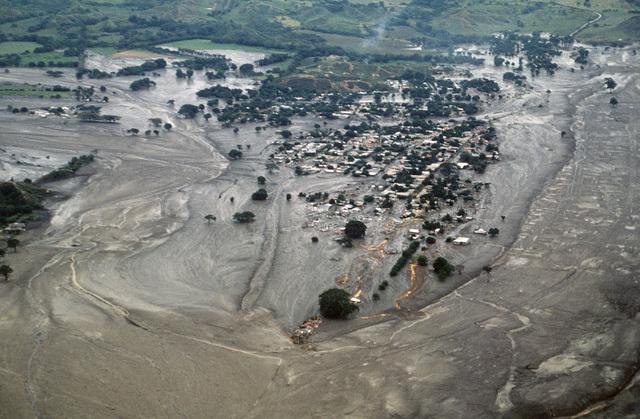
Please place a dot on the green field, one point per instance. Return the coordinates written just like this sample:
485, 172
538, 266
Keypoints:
45, 57
30, 90
17, 47
205, 44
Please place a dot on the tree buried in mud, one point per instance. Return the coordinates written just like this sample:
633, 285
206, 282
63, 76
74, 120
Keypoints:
5, 271
244, 217
336, 303
355, 229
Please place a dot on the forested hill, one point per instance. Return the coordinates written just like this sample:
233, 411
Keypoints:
40, 29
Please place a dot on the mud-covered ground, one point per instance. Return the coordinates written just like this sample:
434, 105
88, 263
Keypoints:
130, 304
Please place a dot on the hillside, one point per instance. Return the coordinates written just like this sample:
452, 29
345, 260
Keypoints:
39, 33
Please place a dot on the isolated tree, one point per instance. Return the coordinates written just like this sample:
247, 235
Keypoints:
286, 134
209, 218
168, 126
288, 197
5, 270
611, 84
442, 268
261, 180
235, 154
13, 243
355, 229
613, 102
493, 231
259, 195
336, 303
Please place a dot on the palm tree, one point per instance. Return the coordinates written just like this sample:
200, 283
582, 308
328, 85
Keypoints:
5, 270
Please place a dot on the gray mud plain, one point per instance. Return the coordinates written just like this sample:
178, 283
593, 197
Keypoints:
129, 305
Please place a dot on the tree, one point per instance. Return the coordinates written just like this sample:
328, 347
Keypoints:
261, 180
498, 61
244, 217
288, 197
13, 243
145, 83
259, 195
493, 231
5, 270
210, 218
355, 229
246, 69
611, 84
613, 102
2, 252
188, 111
168, 126
422, 260
286, 134
336, 303
235, 154
442, 268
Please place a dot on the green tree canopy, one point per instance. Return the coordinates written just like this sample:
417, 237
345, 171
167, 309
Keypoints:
336, 303
355, 229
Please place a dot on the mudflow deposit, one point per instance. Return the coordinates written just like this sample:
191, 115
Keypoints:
127, 303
